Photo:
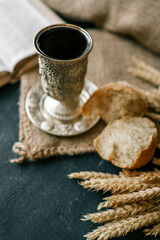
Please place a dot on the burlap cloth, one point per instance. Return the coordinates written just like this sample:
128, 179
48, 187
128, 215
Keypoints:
139, 18
108, 61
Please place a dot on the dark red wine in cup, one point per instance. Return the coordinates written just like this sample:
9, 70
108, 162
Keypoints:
62, 43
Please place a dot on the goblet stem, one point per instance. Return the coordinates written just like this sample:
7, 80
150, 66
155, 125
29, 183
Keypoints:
63, 111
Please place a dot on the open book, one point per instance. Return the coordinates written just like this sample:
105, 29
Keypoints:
20, 20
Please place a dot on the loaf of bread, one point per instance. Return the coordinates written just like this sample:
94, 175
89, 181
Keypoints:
128, 143
114, 101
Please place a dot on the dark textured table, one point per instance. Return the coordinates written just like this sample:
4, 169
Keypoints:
37, 200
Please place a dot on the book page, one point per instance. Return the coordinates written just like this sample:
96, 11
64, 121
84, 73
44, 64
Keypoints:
3, 68
47, 11
20, 20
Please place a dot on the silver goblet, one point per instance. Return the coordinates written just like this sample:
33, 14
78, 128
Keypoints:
63, 56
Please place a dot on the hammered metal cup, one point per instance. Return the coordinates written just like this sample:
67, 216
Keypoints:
63, 56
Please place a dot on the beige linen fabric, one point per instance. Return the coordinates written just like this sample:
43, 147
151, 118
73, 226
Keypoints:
137, 18
108, 61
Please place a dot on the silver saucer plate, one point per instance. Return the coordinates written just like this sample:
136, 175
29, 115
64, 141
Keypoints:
53, 126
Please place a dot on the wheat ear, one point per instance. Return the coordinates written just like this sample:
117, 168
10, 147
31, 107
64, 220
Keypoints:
121, 212
153, 98
136, 173
156, 161
132, 173
122, 227
154, 231
145, 72
153, 116
145, 177
92, 174
120, 199
145, 75
158, 146
142, 65
141, 176
116, 186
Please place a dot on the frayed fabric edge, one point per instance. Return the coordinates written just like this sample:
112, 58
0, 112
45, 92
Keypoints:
26, 155
23, 151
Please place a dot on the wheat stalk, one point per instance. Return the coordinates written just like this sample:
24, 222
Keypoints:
152, 75
153, 231
122, 227
142, 65
121, 212
153, 116
158, 146
145, 72
138, 176
116, 186
91, 174
141, 175
120, 199
152, 97
156, 161
145, 75
133, 173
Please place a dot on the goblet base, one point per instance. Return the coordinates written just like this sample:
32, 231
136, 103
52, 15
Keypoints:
42, 112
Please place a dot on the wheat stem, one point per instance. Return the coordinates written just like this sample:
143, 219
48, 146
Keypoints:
117, 186
153, 98
122, 227
141, 175
138, 176
134, 173
156, 161
154, 231
91, 174
121, 212
153, 116
120, 199
145, 72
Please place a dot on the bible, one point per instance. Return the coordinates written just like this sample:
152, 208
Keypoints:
19, 23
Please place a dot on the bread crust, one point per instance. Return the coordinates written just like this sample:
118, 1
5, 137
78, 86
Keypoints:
146, 155
98, 103
142, 159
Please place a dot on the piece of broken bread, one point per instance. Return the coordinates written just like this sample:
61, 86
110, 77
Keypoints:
114, 101
128, 143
